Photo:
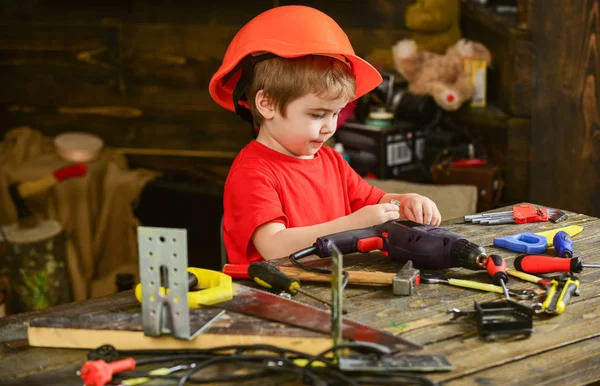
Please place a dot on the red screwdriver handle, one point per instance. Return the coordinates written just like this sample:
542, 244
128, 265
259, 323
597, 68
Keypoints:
496, 267
545, 264
236, 271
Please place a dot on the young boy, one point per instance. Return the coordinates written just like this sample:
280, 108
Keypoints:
289, 72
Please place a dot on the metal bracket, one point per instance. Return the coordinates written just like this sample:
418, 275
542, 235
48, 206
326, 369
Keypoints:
163, 273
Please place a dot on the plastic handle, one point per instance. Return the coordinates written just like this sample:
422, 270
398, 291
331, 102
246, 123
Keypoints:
270, 277
563, 243
476, 285
525, 276
76, 170
542, 264
571, 287
236, 271
496, 267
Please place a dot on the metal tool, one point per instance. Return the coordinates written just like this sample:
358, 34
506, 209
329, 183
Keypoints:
403, 281
500, 319
557, 216
517, 293
560, 292
269, 276
563, 244
163, 290
406, 280
549, 264
404, 362
427, 246
337, 296
520, 214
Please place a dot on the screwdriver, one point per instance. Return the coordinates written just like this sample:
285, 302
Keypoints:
563, 243
549, 264
269, 276
496, 267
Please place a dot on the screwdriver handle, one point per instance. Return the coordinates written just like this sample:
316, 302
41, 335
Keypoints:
571, 288
547, 264
563, 243
476, 285
496, 267
269, 276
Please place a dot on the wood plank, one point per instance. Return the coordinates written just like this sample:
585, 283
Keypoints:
360, 13
566, 126
221, 12
200, 130
577, 363
125, 332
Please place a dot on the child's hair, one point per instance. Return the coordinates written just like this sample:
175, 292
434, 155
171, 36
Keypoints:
284, 80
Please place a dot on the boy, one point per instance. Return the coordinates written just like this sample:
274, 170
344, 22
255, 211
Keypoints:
289, 72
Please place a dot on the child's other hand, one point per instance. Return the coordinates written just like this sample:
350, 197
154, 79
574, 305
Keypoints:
374, 215
420, 209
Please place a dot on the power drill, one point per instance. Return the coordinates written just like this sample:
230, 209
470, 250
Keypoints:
427, 246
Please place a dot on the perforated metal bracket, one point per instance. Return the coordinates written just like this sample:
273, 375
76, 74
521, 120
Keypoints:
163, 274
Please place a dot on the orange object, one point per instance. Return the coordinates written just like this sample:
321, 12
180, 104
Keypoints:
99, 372
289, 31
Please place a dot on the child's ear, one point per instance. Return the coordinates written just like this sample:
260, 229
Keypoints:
264, 105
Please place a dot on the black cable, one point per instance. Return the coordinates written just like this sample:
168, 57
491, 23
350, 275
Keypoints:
239, 359
294, 257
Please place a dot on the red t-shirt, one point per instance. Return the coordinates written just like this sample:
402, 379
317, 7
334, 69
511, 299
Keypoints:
264, 185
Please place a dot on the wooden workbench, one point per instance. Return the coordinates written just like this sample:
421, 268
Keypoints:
563, 349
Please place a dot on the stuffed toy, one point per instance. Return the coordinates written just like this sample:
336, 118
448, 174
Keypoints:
441, 76
434, 24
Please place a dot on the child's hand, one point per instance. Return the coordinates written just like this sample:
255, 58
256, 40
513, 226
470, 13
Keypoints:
374, 215
419, 209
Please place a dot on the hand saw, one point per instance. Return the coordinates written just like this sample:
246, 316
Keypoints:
223, 293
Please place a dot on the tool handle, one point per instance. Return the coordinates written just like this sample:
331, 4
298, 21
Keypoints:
236, 271
525, 276
563, 243
547, 264
570, 288
355, 277
75, 170
270, 276
476, 285
356, 240
496, 267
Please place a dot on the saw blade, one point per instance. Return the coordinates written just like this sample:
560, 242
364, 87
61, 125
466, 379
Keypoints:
250, 301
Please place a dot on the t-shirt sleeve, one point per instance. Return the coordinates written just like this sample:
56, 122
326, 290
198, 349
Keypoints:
360, 192
250, 200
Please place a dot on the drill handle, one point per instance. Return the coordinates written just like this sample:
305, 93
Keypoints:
352, 241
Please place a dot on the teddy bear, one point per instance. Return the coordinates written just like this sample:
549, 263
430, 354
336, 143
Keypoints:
434, 24
441, 76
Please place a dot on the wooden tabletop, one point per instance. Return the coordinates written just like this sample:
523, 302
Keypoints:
563, 349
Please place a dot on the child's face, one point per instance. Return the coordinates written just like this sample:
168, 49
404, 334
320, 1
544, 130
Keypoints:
309, 122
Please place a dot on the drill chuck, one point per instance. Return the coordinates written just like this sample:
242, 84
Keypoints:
466, 254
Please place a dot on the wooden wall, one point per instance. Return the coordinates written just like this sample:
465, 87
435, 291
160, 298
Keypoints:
565, 112
136, 72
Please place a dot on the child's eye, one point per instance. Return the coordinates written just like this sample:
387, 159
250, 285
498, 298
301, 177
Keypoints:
317, 116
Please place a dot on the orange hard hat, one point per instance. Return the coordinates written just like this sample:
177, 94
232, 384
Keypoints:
288, 31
